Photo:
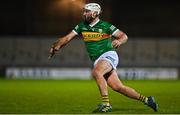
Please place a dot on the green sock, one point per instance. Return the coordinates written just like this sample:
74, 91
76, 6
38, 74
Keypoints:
105, 99
143, 98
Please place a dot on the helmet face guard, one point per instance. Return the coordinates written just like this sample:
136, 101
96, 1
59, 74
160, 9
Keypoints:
93, 7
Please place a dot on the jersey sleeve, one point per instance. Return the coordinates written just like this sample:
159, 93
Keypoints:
77, 29
113, 29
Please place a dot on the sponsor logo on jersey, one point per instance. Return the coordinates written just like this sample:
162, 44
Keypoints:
94, 36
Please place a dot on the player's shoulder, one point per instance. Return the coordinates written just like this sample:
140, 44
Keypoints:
81, 24
104, 23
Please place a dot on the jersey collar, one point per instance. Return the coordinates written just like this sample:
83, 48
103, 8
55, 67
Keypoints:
94, 23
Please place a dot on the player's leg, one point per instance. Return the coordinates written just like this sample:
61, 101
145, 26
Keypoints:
103, 65
100, 69
115, 83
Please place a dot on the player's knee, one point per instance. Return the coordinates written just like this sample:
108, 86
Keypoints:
96, 73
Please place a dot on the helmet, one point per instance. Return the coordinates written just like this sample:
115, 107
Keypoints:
93, 7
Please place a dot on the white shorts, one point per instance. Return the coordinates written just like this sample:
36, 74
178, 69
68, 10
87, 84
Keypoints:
111, 57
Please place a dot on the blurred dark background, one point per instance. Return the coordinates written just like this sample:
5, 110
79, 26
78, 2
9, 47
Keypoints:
56, 17
29, 27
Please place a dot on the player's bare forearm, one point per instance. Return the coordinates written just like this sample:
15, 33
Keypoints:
56, 46
120, 38
60, 43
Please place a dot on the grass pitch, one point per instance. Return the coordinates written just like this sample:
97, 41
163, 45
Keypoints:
76, 97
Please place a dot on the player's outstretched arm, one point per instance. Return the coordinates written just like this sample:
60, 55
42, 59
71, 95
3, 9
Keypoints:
120, 38
60, 43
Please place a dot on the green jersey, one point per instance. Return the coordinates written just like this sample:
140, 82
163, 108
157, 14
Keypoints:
97, 37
